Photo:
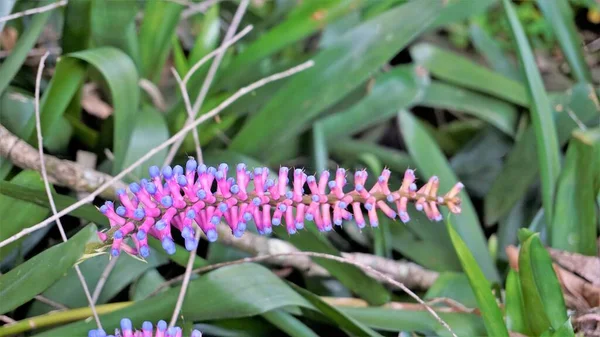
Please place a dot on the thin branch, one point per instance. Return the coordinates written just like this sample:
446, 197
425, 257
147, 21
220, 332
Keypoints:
38, 126
54, 304
198, 8
34, 11
210, 75
7, 319
241, 92
102, 281
366, 268
188, 109
155, 95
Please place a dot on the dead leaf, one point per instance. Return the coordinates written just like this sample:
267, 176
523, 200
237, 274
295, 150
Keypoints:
92, 103
8, 38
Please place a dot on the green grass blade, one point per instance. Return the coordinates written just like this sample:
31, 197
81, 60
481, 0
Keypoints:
352, 149
337, 71
113, 25
11, 65
516, 316
574, 226
548, 152
498, 113
518, 169
430, 161
490, 312
459, 70
32, 277
493, 53
542, 294
562, 20
289, 324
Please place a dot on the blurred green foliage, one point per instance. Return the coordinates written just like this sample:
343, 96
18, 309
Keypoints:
452, 88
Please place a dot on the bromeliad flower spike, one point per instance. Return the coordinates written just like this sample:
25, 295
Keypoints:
174, 198
147, 331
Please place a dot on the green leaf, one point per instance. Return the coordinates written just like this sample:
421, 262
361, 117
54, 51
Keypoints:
430, 161
320, 150
493, 53
548, 152
490, 312
121, 76
352, 149
498, 113
145, 285
208, 36
307, 18
455, 286
225, 293
395, 320
562, 20
574, 226
350, 276
336, 316
542, 294
27, 214
11, 65
158, 26
126, 270
289, 324
338, 69
150, 130
518, 169
516, 316
32, 277
566, 330
392, 91
113, 25
16, 109
459, 70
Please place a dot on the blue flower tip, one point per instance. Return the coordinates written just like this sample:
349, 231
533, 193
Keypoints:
92, 333
196, 333
115, 252
120, 191
151, 188
191, 164
126, 324
160, 225
390, 198
241, 227
235, 189
241, 167
166, 201
368, 206
310, 179
147, 326
103, 209
247, 216
134, 187
100, 333
309, 217
121, 210
182, 180
215, 220
201, 194
381, 179
343, 205
141, 234
154, 171
202, 169
374, 223
268, 230
282, 207
219, 175
212, 235
299, 225
162, 325
223, 207
191, 214
167, 172
360, 224
139, 213
178, 169
337, 222
298, 171
223, 167
276, 222
118, 234
144, 251
289, 194
291, 231
258, 170
191, 244
359, 187
212, 170
256, 201
328, 228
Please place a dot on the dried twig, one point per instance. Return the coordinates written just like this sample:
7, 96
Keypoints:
54, 304
241, 92
34, 11
366, 268
38, 127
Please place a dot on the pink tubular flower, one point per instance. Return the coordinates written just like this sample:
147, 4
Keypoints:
174, 199
147, 331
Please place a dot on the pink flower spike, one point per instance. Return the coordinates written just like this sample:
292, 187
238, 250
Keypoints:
290, 225
386, 209
258, 220
326, 214
340, 178
318, 219
266, 219
259, 181
408, 181
454, 191
373, 219
337, 215
282, 181
323, 179
311, 181
300, 214
108, 210
382, 181
298, 182
102, 236
401, 205
360, 220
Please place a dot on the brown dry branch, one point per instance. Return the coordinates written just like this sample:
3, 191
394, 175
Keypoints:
60, 172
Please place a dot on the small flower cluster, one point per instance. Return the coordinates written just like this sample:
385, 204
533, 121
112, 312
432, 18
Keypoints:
147, 331
174, 198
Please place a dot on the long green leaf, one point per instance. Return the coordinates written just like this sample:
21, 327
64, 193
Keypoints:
11, 65
542, 294
338, 69
548, 152
464, 72
562, 21
516, 316
430, 161
518, 169
490, 312
574, 226
394, 320
352, 149
224, 293
32, 277
27, 214
498, 113
16, 110
113, 25
493, 53
289, 324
